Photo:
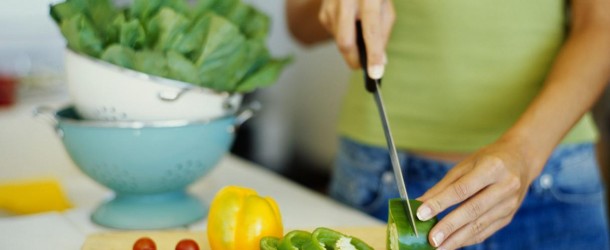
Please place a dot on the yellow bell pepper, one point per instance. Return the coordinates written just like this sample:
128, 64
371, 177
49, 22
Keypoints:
239, 218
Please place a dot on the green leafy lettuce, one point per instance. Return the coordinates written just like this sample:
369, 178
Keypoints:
218, 44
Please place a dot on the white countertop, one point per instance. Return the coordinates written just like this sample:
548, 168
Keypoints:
29, 149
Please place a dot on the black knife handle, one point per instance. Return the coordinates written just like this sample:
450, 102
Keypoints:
369, 83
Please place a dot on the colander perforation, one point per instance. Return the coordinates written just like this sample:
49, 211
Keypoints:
113, 175
110, 113
183, 172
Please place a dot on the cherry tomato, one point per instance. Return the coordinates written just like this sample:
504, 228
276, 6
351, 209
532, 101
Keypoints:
144, 243
187, 244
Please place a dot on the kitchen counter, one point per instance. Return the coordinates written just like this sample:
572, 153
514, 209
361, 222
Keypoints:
29, 148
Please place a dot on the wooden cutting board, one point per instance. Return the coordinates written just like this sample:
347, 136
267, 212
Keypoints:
167, 240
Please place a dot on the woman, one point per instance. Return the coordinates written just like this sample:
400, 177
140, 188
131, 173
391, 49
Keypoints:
488, 101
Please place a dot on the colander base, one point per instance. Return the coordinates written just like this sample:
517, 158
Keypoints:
150, 211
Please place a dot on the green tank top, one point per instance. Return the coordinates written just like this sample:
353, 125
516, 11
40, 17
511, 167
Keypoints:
460, 73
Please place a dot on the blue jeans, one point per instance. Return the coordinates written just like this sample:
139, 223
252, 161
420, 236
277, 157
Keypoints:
564, 207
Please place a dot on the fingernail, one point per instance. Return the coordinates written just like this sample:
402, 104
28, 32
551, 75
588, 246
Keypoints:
376, 71
424, 213
437, 239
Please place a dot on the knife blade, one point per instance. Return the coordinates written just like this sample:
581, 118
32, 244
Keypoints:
374, 86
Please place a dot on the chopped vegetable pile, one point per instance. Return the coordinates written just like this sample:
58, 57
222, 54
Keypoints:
218, 44
320, 239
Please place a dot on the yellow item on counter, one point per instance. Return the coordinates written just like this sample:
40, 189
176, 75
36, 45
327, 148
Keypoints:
32, 196
239, 218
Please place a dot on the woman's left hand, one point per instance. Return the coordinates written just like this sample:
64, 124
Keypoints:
490, 185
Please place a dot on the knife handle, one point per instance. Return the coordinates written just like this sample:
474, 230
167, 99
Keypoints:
369, 83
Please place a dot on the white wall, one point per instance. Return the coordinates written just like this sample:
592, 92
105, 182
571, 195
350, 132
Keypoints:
31, 46
300, 111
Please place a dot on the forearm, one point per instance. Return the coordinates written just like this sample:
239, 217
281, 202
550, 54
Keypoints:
578, 77
303, 22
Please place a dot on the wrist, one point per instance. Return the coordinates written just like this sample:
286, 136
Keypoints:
531, 149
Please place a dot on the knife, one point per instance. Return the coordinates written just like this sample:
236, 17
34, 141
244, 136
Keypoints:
374, 86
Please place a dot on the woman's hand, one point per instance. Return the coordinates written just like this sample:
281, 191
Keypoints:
377, 16
490, 185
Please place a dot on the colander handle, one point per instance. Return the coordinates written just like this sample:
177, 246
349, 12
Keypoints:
47, 113
173, 95
170, 96
227, 104
246, 113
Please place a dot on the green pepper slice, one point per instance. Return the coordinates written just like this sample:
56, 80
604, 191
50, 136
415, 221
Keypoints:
333, 240
269, 243
400, 234
299, 240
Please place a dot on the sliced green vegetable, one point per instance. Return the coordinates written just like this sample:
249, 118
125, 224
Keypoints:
326, 237
270, 243
401, 235
299, 240
333, 240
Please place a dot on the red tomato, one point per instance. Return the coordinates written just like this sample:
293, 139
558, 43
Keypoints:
187, 244
144, 243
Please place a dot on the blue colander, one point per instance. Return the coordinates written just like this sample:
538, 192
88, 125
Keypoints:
148, 165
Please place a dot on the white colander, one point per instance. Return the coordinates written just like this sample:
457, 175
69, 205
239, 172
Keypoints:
103, 91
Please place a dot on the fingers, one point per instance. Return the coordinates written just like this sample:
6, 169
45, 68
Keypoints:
453, 174
490, 194
461, 183
326, 15
377, 16
460, 190
480, 229
345, 31
339, 18
491, 203
370, 14
387, 19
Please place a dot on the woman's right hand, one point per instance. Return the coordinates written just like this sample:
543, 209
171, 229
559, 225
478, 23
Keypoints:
377, 17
